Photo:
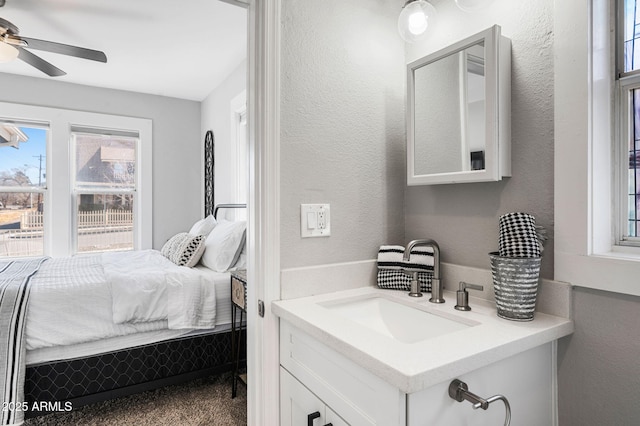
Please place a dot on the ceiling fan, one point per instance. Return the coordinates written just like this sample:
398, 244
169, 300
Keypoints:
13, 45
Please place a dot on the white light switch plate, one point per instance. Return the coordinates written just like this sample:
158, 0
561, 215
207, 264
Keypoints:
315, 220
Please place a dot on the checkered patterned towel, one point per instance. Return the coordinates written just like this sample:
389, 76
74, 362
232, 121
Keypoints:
395, 279
518, 236
396, 274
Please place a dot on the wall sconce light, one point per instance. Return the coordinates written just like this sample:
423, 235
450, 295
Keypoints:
416, 17
7, 52
472, 5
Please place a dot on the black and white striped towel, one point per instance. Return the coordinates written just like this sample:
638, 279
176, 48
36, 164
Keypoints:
396, 274
420, 260
15, 285
518, 236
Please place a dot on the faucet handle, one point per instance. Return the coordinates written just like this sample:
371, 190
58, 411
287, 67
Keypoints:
465, 285
462, 296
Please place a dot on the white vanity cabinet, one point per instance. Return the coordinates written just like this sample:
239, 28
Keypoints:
317, 379
345, 388
299, 406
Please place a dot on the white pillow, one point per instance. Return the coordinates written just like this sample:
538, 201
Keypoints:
242, 260
203, 226
184, 249
224, 245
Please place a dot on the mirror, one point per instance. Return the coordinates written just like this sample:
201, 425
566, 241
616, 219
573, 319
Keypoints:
458, 126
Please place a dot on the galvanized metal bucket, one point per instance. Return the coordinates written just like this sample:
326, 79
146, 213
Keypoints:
515, 283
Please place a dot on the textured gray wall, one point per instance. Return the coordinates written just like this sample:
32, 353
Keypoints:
598, 367
463, 218
342, 138
176, 140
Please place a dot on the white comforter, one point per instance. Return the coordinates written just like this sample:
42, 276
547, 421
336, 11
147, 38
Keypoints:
90, 297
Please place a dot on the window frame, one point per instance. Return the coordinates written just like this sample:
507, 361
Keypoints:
586, 253
77, 191
625, 82
59, 227
34, 189
624, 125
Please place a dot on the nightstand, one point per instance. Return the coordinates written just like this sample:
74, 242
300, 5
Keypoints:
238, 305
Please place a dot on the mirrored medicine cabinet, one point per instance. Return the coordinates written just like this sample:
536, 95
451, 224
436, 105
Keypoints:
458, 112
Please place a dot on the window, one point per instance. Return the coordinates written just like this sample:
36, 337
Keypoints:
104, 189
23, 188
587, 231
73, 182
628, 66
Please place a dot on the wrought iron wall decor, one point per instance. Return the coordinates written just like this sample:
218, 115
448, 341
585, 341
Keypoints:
208, 173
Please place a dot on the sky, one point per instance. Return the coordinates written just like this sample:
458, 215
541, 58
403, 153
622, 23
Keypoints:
27, 155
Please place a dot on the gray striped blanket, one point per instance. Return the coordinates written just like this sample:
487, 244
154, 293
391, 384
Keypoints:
15, 284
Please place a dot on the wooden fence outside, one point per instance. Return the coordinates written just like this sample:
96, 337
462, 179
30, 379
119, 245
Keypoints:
97, 231
95, 219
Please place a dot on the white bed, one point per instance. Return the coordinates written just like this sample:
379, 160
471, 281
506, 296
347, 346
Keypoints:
90, 304
106, 325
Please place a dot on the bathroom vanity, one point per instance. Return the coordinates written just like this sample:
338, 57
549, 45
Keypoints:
377, 357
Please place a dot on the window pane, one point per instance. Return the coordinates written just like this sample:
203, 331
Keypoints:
631, 34
105, 161
105, 222
21, 224
633, 186
22, 156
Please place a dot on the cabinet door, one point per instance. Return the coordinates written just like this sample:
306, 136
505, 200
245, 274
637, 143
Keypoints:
357, 395
333, 419
298, 406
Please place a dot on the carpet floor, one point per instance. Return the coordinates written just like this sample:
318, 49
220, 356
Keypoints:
198, 403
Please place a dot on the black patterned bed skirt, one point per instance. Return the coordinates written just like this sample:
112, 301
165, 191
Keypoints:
101, 377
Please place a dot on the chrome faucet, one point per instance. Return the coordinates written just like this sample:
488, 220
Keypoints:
436, 284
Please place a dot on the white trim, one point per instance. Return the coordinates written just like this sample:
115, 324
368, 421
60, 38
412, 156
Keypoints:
238, 110
555, 414
463, 84
59, 196
264, 211
583, 152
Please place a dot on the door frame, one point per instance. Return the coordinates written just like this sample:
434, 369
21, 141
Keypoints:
263, 238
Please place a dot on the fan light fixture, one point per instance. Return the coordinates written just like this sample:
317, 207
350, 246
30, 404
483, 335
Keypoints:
416, 18
7, 52
10, 38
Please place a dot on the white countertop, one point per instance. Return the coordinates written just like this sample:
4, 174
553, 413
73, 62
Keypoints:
416, 366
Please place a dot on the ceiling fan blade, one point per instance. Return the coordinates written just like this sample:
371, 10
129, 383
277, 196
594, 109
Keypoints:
39, 63
65, 49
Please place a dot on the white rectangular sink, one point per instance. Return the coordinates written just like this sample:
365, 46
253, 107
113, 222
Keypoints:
401, 322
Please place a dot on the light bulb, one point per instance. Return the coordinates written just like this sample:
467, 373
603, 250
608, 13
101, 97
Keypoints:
418, 23
7, 52
416, 18
472, 5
